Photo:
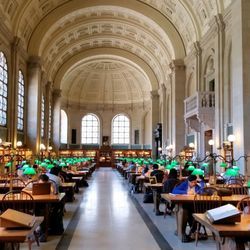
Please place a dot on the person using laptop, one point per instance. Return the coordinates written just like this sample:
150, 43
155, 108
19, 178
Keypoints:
53, 176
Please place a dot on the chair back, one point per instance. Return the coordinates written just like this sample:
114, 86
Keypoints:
238, 188
207, 199
19, 200
244, 205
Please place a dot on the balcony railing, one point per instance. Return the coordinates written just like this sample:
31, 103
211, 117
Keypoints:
200, 103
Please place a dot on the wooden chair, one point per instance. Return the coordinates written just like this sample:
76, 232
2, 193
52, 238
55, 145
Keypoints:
17, 184
23, 202
238, 188
207, 199
244, 206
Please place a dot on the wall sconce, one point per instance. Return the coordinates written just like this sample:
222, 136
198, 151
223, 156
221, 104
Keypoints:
211, 143
42, 148
169, 149
191, 145
19, 144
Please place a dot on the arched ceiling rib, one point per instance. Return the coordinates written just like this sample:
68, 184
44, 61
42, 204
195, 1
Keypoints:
125, 46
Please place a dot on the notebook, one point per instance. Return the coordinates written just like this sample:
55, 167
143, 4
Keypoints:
41, 188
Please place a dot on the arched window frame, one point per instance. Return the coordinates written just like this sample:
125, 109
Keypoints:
3, 89
20, 101
120, 129
42, 116
90, 129
64, 127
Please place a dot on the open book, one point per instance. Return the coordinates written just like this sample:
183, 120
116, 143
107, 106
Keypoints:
224, 214
13, 218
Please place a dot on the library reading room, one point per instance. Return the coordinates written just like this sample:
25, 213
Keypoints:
124, 124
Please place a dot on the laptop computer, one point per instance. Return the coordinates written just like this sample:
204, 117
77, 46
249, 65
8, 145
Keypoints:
41, 188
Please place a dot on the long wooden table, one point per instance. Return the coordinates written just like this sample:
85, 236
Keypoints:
229, 236
46, 201
17, 235
156, 189
179, 200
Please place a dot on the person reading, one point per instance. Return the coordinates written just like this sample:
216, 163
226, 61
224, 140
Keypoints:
191, 187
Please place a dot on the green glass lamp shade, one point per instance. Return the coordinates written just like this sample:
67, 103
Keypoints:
29, 171
248, 184
198, 171
191, 168
205, 164
47, 160
236, 168
24, 162
231, 172
174, 163
49, 166
43, 164
63, 164
169, 166
8, 164
223, 165
25, 166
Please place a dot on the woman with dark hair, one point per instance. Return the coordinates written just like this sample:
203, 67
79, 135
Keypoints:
168, 186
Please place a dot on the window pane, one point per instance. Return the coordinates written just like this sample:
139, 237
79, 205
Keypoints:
64, 127
90, 129
20, 101
3, 89
120, 130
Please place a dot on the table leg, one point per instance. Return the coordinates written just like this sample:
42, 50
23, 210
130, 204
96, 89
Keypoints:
229, 243
156, 198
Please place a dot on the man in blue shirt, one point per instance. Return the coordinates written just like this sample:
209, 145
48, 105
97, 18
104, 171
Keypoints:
191, 187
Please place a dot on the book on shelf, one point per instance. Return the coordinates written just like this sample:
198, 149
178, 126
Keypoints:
224, 214
14, 219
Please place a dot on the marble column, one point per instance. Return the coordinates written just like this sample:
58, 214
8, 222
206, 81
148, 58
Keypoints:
56, 119
178, 79
155, 118
219, 31
164, 117
34, 105
241, 78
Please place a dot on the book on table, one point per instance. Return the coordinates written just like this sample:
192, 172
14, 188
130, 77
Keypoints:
224, 214
15, 219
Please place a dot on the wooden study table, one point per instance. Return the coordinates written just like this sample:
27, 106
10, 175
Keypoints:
17, 235
41, 200
180, 199
156, 189
228, 236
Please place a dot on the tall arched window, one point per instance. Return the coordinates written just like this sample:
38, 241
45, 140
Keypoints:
20, 101
90, 129
64, 127
120, 130
50, 120
3, 89
42, 116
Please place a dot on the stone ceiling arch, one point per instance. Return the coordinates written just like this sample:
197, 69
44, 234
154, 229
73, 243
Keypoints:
69, 7
116, 53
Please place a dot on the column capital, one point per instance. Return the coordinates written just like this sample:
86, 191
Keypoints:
57, 93
154, 94
35, 62
177, 64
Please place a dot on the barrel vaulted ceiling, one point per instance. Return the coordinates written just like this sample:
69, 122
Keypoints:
108, 51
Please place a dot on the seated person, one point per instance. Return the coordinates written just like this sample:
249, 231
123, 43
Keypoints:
53, 176
168, 186
159, 174
189, 186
